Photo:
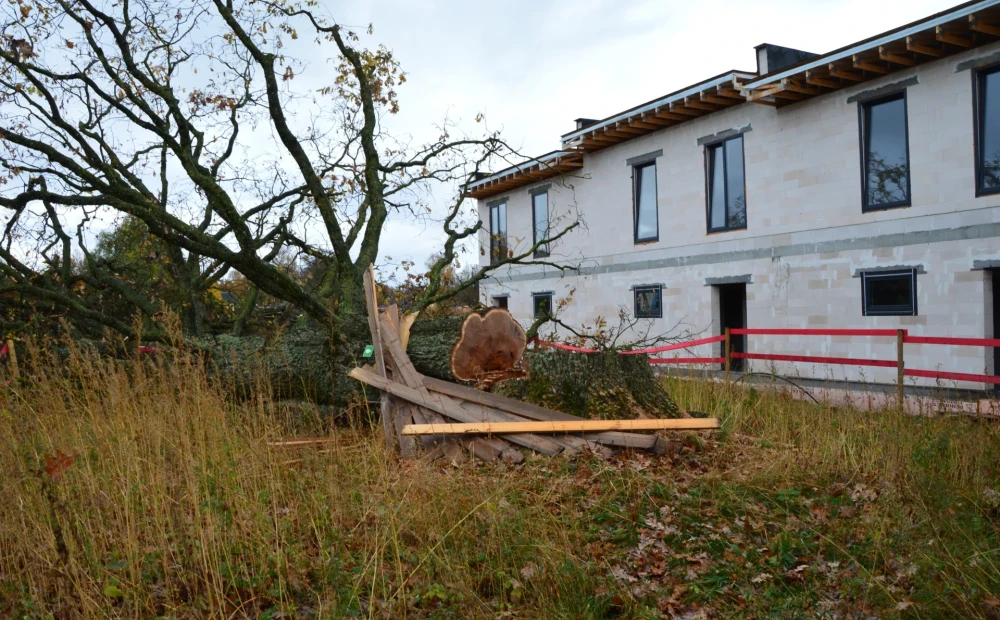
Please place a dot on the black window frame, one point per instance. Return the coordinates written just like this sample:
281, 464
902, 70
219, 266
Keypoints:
494, 241
659, 296
534, 303
978, 92
863, 134
868, 277
635, 202
540, 252
709, 147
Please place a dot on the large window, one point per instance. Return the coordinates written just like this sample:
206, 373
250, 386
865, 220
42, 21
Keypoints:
647, 227
542, 303
727, 200
498, 232
540, 219
648, 302
889, 293
988, 130
885, 159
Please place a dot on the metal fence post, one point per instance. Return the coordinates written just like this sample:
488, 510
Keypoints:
729, 357
900, 370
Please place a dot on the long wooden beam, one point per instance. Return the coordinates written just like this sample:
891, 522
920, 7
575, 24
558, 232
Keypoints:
534, 412
888, 55
580, 426
976, 24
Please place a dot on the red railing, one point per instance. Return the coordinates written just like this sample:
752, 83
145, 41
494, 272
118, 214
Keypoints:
901, 336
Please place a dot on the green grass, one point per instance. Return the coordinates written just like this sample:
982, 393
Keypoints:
175, 506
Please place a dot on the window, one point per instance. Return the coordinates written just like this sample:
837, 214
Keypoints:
987, 102
500, 302
498, 232
542, 303
727, 201
885, 159
540, 219
648, 302
647, 226
889, 293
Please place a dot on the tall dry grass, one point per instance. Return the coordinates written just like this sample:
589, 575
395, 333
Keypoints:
175, 505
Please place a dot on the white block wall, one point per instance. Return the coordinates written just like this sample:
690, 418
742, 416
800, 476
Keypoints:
806, 234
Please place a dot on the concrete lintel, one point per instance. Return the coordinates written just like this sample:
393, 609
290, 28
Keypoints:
917, 268
651, 285
743, 279
497, 201
883, 90
979, 265
975, 63
541, 189
642, 159
724, 135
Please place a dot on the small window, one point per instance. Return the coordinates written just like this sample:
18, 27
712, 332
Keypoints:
647, 226
885, 159
727, 201
540, 219
542, 303
648, 302
500, 302
890, 293
987, 100
498, 233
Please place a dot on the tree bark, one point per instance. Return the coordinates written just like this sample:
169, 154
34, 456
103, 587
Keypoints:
592, 385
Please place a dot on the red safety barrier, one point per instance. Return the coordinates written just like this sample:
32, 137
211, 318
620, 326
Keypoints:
3, 350
954, 376
966, 342
671, 347
674, 347
687, 360
813, 359
148, 350
814, 332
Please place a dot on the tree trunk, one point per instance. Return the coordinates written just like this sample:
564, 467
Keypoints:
606, 386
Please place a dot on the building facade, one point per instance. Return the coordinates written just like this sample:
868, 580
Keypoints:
854, 189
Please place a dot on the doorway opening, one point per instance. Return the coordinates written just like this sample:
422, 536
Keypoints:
733, 314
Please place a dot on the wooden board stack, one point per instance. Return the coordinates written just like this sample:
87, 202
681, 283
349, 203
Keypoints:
418, 413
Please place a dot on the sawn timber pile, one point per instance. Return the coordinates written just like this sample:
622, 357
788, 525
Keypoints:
418, 412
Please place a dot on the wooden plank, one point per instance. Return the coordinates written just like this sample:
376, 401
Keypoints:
948, 37
371, 302
866, 65
976, 24
820, 80
914, 46
534, 412
497, 428
445, 407
890, 56
413, 379
408, 375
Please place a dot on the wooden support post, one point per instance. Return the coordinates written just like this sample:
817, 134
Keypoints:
900, 370
15, 373
729, 357
371, 301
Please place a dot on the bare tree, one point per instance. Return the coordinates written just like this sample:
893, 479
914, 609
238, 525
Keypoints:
196, 120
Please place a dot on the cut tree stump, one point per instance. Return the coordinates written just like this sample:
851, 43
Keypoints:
493, 342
